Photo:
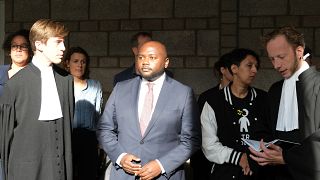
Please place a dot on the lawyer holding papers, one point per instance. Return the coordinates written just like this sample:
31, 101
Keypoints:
294, 109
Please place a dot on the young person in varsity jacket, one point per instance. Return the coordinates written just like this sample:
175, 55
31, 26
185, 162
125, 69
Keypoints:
201, 167
231, 114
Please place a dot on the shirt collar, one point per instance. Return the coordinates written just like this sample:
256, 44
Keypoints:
157, 82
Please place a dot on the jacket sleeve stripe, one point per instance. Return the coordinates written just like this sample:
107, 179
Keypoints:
235, 157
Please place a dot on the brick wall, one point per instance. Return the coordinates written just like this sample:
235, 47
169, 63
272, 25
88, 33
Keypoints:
196, 32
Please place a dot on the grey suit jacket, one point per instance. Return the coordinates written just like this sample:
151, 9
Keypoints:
172, 135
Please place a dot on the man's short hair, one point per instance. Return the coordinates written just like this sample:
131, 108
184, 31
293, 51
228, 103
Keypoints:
43, 29
293, 36
135, 37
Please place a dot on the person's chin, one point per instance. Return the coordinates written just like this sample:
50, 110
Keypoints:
57, 61
249, 81
152, 76
286, 75
147, 77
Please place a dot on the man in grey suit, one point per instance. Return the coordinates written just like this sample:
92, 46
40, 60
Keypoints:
172, 132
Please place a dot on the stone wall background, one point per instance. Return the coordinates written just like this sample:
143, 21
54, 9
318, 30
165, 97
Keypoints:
196, 32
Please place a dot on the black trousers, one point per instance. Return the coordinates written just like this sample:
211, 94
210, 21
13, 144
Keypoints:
85, 154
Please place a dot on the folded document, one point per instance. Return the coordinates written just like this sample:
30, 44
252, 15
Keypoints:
279, 142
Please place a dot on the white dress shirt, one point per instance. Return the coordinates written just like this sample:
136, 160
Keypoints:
157, 85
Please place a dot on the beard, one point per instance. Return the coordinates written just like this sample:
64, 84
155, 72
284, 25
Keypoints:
152, 76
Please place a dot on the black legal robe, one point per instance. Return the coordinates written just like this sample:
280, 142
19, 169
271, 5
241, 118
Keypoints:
33, 149
302, 162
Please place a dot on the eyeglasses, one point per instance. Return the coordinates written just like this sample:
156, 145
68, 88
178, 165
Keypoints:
22, 47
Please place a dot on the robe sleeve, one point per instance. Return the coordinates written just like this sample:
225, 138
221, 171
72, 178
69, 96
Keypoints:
7, 118
304, 160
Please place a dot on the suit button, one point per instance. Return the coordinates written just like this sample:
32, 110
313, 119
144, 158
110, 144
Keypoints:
141, 142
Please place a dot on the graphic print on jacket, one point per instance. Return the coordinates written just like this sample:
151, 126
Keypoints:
238, 119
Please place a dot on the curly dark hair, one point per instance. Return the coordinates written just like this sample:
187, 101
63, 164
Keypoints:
6, 46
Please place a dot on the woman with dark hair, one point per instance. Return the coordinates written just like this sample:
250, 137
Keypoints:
88, 101
200, 165
231, 114
17, 46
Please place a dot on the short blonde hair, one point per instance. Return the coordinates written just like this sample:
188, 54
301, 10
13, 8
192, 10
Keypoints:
43, 29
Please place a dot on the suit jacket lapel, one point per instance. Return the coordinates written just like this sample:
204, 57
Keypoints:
161, 103
134, 100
